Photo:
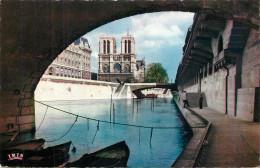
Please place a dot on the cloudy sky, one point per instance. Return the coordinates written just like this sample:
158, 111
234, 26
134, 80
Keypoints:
159, 37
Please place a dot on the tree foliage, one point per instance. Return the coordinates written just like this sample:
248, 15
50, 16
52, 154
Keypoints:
156, 73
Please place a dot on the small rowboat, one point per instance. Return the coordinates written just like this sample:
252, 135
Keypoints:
112, 156
50, 157
15, 154
32, 145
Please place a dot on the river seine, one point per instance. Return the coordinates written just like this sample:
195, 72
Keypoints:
166, 144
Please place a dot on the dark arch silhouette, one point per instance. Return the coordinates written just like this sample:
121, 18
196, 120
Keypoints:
34, 33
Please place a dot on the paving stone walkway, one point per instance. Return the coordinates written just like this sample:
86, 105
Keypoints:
231, 141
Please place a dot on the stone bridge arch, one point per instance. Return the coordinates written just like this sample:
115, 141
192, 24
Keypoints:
34, 33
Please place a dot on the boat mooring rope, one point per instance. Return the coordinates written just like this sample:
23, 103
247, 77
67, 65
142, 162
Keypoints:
104, 121
65, 133
96, 132
42, 119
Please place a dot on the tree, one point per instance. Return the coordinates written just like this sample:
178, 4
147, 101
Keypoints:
156, 73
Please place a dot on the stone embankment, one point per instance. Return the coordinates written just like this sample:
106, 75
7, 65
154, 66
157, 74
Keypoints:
191, 154
52, 88
59, 88
226, 141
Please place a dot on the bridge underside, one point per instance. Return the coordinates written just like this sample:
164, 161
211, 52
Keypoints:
34, 33
137, 88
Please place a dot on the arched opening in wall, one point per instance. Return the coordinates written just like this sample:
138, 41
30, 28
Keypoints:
153, 45
38, 44
70, 91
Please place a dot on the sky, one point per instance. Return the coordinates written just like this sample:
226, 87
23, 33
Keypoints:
159, 37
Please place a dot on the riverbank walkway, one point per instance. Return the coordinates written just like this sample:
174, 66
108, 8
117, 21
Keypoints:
231, 142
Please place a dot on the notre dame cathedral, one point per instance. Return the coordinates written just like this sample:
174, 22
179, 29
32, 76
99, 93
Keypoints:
123, 67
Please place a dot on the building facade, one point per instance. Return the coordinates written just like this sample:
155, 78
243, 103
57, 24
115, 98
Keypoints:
121, 67
221, 60
73, 62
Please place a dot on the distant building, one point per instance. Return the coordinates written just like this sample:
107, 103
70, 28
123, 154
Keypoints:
121, 67
73, 62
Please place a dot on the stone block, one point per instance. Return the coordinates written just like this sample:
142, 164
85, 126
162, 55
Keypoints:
25, 102
27, 110
245, 103
27, 94
26, 119
27, 127
29, 87
11, 120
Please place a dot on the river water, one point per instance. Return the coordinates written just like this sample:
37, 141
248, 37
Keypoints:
166, 144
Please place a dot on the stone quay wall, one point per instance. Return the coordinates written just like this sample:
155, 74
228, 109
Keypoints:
60, 88
245, 103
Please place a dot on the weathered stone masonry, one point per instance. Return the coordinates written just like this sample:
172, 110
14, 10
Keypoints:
229, 74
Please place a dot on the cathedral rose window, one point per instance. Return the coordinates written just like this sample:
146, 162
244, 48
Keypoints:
117, 68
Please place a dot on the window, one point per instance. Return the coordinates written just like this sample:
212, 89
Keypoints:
125, 46
137, 67
104, 47
127, 68
105, 58
61, 71
65, 72
117, 68
75, 74
127, 58
108, 46
51, 71
69, 72
57, 71
129, 46
105, 68
220, 44
116, 58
